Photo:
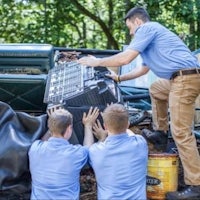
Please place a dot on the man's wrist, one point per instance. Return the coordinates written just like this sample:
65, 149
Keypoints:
118, 79
98, 63
88, 126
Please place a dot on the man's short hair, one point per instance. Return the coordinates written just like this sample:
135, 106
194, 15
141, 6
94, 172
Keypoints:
59, 120
138, 12
116, 117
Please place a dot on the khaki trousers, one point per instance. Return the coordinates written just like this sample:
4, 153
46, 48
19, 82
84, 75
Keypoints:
197, 113
179, 96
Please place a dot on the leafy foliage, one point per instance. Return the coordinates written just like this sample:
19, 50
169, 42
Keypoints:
92, 23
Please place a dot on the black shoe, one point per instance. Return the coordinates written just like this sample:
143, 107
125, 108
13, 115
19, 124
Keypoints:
158, 138
138, 117
190, 193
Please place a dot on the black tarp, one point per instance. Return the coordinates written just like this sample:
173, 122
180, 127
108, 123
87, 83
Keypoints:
18, 130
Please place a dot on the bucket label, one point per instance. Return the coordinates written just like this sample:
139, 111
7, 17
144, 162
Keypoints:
152, 181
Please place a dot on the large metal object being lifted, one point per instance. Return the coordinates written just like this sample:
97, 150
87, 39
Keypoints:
77, 88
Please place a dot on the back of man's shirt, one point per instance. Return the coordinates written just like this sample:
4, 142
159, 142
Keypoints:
120, 166
55, 169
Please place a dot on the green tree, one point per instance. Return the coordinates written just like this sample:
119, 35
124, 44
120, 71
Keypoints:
92, 23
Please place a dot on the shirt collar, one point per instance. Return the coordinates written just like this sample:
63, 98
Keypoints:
116, 137
58, 140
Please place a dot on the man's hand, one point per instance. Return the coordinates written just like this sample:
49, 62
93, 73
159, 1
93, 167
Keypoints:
89, 60
51, 109
90, 118
88, 121
112, 75
99, 132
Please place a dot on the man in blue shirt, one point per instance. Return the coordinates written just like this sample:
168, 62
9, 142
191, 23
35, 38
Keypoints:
55, 164
118, 160
168, 57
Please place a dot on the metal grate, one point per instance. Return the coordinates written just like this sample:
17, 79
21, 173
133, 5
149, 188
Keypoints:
66, 80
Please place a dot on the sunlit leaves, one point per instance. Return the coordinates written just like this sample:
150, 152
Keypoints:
99, 25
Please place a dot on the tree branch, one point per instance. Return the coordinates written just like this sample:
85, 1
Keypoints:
105, 29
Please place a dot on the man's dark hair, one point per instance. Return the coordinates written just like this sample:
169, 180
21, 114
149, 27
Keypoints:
138, 12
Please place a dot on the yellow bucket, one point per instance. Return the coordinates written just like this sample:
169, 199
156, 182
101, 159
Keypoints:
162, 175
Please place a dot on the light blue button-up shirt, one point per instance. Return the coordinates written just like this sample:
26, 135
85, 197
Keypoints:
161, 50
120, 166
55, 169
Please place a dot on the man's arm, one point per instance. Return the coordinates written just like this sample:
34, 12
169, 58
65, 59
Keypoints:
99, 132
135, 73
116, 60
88, 122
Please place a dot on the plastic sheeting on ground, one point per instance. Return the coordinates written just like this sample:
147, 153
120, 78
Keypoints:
17, 132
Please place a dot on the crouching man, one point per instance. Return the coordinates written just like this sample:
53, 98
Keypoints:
55, 164
119, 159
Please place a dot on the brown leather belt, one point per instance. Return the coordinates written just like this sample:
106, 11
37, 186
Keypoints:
185, 72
